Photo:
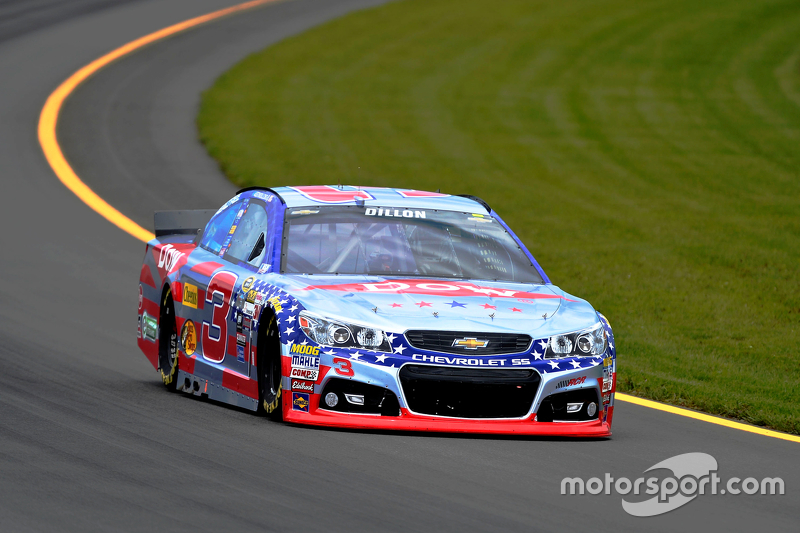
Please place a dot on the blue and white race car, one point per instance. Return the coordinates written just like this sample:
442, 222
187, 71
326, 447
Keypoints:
371, 308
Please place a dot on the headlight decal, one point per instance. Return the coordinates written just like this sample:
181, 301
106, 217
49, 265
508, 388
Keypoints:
591, 342
339, 334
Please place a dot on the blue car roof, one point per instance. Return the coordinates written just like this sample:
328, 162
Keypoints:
314, 195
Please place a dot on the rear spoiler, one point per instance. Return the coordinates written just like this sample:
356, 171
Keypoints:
181, 222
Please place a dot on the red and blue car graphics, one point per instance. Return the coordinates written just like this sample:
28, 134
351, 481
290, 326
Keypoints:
217, 317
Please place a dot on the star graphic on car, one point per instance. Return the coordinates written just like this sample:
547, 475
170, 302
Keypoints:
553, 364
456, 304
487, 306
575, 364
399, 349
390, 337
381, 358
537, 355
423, 304
543, 344
397, 305
515, 310
355, 356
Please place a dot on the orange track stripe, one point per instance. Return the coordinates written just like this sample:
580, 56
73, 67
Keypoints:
48, 119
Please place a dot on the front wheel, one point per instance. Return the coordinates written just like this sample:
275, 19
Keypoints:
168, 342
268, 365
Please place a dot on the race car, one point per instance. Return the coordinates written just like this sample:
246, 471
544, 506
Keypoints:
381, 308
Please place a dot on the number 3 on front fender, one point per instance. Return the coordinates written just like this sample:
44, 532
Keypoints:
343, 367
218, 299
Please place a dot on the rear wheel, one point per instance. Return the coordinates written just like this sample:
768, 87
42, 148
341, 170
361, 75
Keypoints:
269, 368
168, 342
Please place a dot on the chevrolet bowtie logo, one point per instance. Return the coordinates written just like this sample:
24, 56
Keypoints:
470, 343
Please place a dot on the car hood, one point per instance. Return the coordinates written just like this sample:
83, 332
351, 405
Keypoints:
398, 304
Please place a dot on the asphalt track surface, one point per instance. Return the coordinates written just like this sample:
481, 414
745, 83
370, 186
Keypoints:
89, 438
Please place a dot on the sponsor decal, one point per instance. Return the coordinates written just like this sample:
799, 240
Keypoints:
305, 212
434, 287
304, 349
263, 268
262, 196
276, 303
463, 361
140, 297
248, 283
258, 285
189, 337
241, 338
149, 327
249, 308
306, 386
398, 213
304, 373
608, 374
139, 327
570, 382
251, 297
480, 218
190, 295
168, 257
300, 401
305, 361
240, 353
442, 360
235, 224
470, 343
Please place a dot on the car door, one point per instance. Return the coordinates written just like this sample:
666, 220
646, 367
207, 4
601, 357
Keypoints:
248, 250
209, 285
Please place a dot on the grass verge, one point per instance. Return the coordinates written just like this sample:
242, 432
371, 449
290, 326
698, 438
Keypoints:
647, 152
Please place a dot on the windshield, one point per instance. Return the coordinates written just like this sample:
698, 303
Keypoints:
394, 241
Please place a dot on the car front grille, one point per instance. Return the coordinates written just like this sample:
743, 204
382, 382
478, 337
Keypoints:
469, 392
442, 341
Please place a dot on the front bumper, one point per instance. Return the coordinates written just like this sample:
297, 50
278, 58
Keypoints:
408, 421
593, 376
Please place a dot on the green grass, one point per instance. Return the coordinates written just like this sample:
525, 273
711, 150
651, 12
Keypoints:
647, 152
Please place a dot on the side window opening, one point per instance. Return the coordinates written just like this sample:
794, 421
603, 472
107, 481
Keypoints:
248, 243
216, 231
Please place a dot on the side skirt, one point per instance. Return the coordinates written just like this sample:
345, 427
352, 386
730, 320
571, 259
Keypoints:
201, 386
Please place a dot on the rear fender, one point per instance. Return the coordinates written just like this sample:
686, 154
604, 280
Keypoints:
164, 256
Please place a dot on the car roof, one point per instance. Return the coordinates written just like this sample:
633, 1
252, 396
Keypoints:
315, 195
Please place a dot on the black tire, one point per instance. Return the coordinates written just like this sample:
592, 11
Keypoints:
268, 363
168, 343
